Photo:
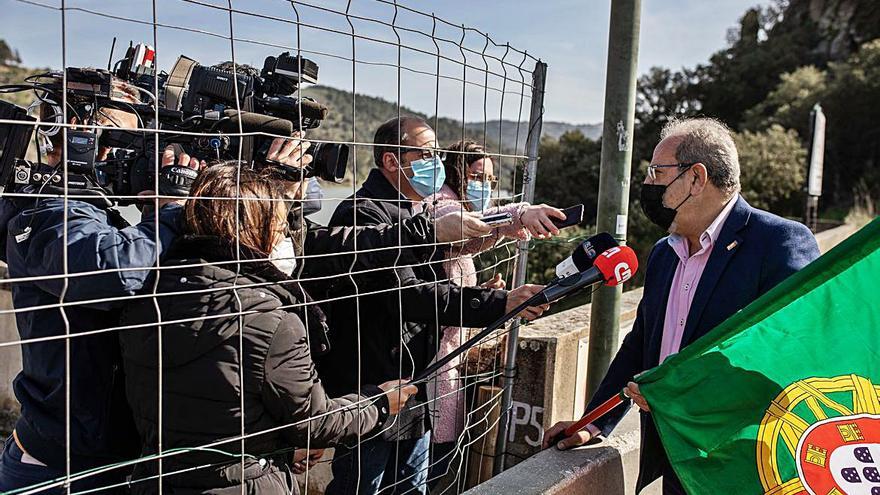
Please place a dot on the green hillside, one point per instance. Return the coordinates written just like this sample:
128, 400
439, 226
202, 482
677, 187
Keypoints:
372, 112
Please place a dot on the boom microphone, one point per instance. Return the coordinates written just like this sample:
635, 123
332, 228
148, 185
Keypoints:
309, 109
613, 266
255, 122
585, 254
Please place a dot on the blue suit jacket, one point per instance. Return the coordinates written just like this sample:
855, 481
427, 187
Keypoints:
755, 251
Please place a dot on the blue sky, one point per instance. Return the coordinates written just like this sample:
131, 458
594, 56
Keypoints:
570, 35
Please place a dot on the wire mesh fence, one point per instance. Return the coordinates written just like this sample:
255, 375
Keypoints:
213, 266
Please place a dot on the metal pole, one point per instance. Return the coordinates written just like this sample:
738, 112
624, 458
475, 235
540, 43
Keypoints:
614, 175
533, 139
815, 165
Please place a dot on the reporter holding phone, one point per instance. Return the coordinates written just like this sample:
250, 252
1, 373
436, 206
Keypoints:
469, 185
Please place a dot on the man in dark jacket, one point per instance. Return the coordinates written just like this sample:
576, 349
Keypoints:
394, 333
721, 255
84, 259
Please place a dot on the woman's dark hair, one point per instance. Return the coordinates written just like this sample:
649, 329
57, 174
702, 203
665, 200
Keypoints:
459, 157
211, 208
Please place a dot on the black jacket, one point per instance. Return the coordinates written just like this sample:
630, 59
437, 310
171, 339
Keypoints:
224, 331
99, 243
385, 343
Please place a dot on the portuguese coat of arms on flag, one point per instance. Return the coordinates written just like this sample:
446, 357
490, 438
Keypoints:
782, 398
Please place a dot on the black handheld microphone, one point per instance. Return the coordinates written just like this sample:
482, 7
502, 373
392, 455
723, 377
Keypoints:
583, 257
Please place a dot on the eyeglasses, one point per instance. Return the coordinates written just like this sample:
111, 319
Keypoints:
491, 179
652, 168
425, 154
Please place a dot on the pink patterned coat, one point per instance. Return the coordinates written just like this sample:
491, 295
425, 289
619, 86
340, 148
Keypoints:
448, 410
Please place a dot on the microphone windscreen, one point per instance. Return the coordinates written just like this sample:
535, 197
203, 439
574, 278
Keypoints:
255, 122
617, 264
585, 255
313, 110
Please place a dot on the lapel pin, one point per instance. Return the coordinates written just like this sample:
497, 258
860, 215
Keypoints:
731, 246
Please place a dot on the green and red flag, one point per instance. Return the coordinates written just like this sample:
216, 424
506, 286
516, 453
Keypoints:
782, 398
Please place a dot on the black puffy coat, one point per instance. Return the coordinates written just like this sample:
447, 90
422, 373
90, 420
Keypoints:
393, 331
230, 338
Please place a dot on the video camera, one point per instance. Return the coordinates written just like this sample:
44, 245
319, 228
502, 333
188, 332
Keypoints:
89, 92
204, 109
263, 102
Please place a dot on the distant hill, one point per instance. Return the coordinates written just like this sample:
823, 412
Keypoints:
10, 74
372, 111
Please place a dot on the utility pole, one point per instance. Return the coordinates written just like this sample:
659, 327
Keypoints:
614, 175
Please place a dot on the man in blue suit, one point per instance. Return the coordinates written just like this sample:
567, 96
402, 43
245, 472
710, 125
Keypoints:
721, 255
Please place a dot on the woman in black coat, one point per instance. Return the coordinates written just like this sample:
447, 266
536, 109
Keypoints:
235, 353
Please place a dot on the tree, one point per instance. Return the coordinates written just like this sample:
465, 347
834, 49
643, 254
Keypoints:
740, 76
771, 168
661, 95
791, 102
568, 172
852, 150
7, 55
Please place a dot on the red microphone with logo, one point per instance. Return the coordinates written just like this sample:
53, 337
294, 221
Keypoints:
614, 266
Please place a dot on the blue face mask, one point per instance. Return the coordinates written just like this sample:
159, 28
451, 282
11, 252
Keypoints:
428, 176
479, 193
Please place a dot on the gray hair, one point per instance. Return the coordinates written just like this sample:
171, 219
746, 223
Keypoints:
710, 142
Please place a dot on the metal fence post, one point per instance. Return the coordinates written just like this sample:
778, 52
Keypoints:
533, 139
614, 176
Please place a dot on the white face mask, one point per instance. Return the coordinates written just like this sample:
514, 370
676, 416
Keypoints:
283, 256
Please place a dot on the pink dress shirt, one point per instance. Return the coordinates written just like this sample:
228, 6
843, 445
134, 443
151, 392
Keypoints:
687, 278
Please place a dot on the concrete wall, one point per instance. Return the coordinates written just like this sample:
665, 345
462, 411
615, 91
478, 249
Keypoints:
551, 374
606, 467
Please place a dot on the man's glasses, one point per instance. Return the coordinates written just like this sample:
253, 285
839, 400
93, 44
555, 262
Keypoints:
491, 179
425, 154
652, 168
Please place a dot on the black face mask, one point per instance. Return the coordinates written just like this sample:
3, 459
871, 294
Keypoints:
652, 204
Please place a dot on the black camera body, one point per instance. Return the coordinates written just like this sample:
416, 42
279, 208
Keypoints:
196, 90
215, 90
14, 140
201, 108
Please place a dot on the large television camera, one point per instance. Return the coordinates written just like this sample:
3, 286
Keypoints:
210, 112
267, 96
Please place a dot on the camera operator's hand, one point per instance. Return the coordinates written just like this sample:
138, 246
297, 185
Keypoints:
290, 151
304, 459
397, 397
183, 160
460, 225
520, 295
538, 220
